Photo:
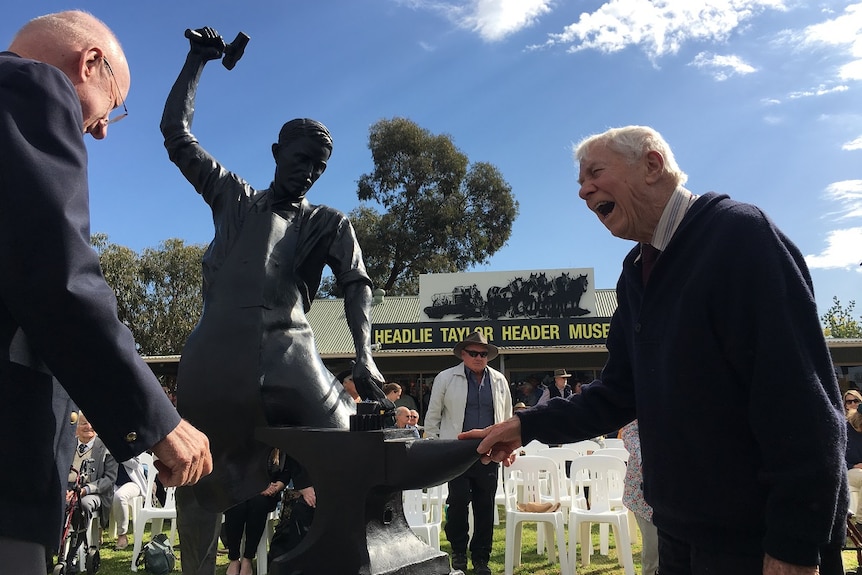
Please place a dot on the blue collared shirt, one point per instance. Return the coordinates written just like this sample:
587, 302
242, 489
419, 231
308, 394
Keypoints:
479, 412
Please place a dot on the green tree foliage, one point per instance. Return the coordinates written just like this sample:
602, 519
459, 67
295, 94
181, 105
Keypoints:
839, 321
158, 291
441, 213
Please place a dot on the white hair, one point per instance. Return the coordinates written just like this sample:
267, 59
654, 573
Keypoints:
633, 143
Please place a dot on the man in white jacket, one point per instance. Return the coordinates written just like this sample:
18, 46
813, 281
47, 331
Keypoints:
470, 395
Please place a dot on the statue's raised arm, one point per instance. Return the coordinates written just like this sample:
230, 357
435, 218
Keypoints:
205, 44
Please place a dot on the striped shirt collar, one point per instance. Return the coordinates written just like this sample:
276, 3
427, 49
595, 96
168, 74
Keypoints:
674, 211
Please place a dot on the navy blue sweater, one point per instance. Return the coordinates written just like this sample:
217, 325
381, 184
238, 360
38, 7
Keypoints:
722, 360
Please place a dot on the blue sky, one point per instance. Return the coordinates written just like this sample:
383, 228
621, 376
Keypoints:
760, 99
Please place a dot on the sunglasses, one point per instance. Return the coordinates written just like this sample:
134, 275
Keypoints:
474, 353
846, 401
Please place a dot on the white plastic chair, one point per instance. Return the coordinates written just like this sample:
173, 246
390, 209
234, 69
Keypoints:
606, 477
530, 472
584, 447
615, 496
614, 442
147, 510
425, 527
434, 500
500, 495
534, 447
562, 456
263, 546
620, 453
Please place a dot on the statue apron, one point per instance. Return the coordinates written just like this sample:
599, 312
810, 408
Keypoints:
251, 361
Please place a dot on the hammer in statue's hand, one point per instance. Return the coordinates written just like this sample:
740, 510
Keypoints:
208, 38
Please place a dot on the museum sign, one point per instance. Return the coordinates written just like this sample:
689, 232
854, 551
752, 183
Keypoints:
514, 308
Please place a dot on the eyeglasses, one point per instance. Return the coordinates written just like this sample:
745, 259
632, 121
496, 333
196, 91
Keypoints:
846, 401
125, 113
474, 353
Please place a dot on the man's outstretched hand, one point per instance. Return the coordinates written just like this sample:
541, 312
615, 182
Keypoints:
499, 441
183, 456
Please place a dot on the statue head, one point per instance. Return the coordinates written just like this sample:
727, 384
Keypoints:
301, 153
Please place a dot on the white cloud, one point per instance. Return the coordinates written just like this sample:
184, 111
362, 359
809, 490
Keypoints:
848, 193
722, 67
820, 90
839, 31
851, 70
843, 250
844, 30
493, 20
855, 144
496, 19
659, 27
843, 246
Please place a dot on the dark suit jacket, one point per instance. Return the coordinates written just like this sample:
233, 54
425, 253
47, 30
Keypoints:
57, 315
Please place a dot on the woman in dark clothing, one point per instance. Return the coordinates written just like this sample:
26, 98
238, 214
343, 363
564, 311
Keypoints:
250, 517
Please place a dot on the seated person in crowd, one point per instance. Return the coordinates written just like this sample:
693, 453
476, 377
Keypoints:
854, 460
852, 400
402, 420
250, 517
530, 391
413, 421
131, 482
97, 492
560, 387
297, 509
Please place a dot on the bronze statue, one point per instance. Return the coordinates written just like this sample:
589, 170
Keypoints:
251, 361
251, 366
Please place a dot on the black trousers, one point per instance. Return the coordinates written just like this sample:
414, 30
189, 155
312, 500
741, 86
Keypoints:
477, 485
679, 558
250, 517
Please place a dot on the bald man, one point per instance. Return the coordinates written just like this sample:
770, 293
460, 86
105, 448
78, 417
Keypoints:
64, 76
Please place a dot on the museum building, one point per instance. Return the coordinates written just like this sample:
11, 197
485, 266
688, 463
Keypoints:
413, 336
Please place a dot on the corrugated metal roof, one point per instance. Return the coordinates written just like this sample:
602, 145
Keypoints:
333, 338
326, 318
606, 302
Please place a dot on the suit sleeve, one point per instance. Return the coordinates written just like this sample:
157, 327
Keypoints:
51, 284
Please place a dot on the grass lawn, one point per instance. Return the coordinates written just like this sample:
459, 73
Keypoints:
118, 562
